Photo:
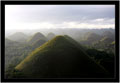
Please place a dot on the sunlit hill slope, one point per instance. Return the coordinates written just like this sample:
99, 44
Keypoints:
60, 58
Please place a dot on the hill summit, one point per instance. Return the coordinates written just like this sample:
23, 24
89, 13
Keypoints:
60, 58
18, 36
37, 36
50, 35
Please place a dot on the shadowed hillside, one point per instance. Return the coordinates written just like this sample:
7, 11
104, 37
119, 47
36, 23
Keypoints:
60, 58
109, 34
38, 43
90, 38
9, 42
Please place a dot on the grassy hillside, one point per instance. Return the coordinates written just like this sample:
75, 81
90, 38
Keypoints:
38, 43
37, 36
15, 51
60, 58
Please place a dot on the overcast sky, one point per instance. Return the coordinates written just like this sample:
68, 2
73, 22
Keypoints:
59, 16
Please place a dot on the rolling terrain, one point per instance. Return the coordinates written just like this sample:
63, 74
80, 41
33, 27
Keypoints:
59, 58
18, 36
37, 36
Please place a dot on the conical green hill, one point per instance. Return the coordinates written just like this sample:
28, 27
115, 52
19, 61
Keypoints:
60, 58
92, 37
37, 36
50, 35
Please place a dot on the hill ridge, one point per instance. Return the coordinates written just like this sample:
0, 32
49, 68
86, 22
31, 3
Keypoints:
37, 36
59, 58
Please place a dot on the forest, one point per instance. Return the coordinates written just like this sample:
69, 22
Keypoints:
60, 53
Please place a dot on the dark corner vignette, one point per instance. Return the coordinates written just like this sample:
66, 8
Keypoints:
116, 3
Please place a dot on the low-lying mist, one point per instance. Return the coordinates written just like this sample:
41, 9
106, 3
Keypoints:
74, 32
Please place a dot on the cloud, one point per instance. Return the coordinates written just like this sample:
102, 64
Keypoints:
59, 16
99, 20
88, 24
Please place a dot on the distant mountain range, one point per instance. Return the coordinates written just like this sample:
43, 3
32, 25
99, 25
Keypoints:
97, 41
18, 36
59, 56
50, 36
36, 37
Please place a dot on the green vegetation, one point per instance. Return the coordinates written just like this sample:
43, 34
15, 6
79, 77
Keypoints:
15, 52
103, 58
13, 73
38, 43
100, 42
37, 36
113, 43
61, 57
90, 38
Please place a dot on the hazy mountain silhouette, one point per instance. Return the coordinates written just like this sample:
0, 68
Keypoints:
38, 43
50, 36
90, 38
18, 36
106, 40
37, 36
108, 34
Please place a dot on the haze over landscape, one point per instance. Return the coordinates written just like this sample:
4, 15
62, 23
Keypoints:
34, 17
59, 41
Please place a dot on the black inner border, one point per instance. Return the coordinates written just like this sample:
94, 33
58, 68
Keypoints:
3, 3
